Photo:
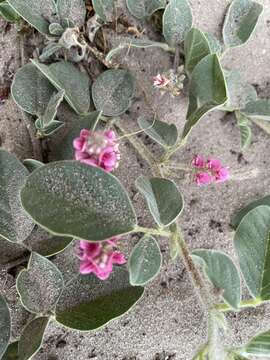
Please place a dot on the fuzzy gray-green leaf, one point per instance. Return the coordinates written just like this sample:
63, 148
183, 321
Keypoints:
259, 109
240, 21
145, 261
207, 91
77, 200
8, 13
5, 325
164, 200
89, 303
65, 76
240, 93
258, 346
237, 218
105, 9
223, 274
177, 21
196, 48
15, 225
245, 130
73, 11
252, 243
40, 285
31, 90
163, 133
32, 337
144, 8
112, 92
38, 13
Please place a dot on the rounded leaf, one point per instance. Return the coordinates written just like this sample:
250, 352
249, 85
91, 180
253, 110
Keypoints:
237, 218
177, 21
240, 21
258, 109
222, 272
113, 91
76, 84
31, 90
40, 285
15, 225
37, 13
252, 244
259, 345
32, 337
89, 303
164, 200
105, 9
144, 8
163, 133
5, 325
207, 91
145, 261
77, 200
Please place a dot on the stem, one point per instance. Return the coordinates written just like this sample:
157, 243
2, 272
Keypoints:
143, 151
150, 231
176, 58
35, 142
195, 275
16, 262
243, 305
172, 150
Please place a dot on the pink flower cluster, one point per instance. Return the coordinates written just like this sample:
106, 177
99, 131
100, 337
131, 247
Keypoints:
209, 171
97, 148
99, 257
160, 81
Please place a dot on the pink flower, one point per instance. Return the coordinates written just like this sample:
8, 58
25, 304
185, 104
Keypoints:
222, 174
209, 171
99, 257
203, 178
97, 148
160, 81
198, 161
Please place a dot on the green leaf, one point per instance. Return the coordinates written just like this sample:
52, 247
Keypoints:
144, 8
145, 261
137, 43
12, 352
77, 200
222, 273
163, 199
207, 91
31, 90
112, 92
32, 337
64, 75
8, 13
46, 244
259, 109
239, 92
177, 21
40, 285
105, 9
237, 218
15, 225
32, 164
64, 149
245, 130
252, 241
259, 345
73, 11
5, 325
214, 44
89, 303
240, 22
37, 13
196, 48
52, 107
56, 29
163, 133
51, 128
49, 50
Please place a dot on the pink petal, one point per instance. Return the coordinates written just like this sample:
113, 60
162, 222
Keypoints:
203, 178
214, 164
198, 161
91, 162
86, 267
119, 258
222, 175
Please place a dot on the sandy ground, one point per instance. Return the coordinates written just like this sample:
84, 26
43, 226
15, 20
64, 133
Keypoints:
168, 322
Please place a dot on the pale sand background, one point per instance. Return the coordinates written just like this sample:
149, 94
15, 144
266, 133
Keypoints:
168, 322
